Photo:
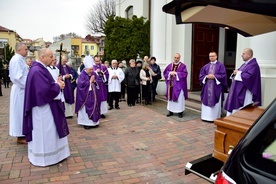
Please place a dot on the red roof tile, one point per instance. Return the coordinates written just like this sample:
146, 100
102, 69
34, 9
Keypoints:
3, 29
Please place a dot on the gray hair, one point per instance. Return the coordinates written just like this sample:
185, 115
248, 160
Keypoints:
145, 64
113, 61
132, 61
18, 45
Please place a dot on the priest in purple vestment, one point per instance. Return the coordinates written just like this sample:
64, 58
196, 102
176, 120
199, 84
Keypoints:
246, 84
68, 91
213, 79
44, 122
87, 98
175, 75
102, 79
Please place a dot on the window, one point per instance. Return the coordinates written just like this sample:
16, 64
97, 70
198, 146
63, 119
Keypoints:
261, 153
102, 42
129, 12
92, 47
75, 47
86, 47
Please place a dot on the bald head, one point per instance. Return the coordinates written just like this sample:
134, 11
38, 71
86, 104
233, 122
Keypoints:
247, 54
176, 57
45, 55
64, 60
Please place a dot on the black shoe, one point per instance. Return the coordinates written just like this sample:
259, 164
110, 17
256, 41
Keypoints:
117, 107
133, 104
129, 105
180, 115
150, 103
103, 116
169, 114
69, 117
87, 127
110, 108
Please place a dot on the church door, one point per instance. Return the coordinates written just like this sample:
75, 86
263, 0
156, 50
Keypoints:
205, 39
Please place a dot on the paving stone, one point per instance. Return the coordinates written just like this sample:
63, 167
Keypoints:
132, 145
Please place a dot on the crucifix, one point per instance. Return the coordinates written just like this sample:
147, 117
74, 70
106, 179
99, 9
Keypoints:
60, 55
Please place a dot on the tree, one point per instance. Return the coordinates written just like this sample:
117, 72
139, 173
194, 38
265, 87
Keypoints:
126, 38
98, 15
64, 36
8, 53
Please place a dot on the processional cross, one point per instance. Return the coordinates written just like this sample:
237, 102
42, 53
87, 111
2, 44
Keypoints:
60, 55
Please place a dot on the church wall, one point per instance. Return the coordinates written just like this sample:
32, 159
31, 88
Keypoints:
140, 8
167, 38
264, 47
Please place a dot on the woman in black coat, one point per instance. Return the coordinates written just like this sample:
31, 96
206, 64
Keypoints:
131, 81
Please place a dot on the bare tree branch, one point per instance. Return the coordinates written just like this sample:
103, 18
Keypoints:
98, 14
64, 36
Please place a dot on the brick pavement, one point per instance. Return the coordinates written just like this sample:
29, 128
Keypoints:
132, 145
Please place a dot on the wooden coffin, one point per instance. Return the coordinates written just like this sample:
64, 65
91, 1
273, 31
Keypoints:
231, 129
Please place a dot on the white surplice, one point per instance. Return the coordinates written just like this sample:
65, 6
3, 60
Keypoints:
46, 148
179, 105
114, 85
83, 118
54, 71
211, 113
18, 74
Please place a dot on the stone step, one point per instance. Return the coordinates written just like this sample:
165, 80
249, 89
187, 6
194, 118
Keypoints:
193, 102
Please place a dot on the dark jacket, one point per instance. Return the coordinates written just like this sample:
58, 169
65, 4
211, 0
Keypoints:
132, 77
156, 69
5, 76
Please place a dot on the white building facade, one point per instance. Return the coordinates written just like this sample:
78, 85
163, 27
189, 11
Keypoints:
167, 38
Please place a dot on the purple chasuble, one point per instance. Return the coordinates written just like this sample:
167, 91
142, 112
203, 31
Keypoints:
176, 86
211, 92
40, 90
99, 78
251, 80
88, 98
68, 90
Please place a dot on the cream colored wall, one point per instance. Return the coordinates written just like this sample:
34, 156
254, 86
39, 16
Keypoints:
10, 37
77, 41
91, 52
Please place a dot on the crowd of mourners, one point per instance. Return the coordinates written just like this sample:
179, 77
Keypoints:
44, 94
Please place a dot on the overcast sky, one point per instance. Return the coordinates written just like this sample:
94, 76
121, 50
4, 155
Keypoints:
33, 19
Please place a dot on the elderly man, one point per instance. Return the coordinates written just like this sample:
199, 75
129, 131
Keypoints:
146, 59
54, 71
175, 75
87, 99
101, 78
246, 84
214, 82
116, 76
18, 71
68, 91
45, 125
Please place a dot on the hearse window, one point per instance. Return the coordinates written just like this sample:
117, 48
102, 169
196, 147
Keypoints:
261, 154
270, 151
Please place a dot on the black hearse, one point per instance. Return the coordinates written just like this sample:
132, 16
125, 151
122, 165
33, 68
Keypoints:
253, 160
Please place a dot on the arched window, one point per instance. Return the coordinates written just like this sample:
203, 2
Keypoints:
129, 12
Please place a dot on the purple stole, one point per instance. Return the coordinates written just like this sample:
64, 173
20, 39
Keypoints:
170, 91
